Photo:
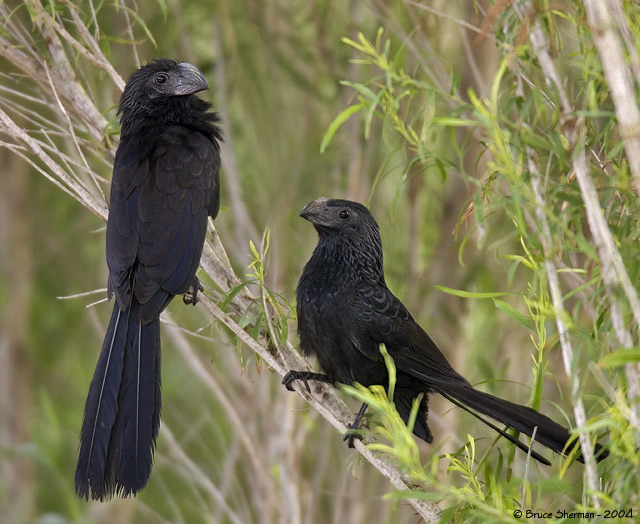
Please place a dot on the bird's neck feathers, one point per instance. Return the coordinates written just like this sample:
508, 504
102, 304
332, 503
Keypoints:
346, 259
189, 111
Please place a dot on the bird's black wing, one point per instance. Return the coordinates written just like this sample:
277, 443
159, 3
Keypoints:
160, 206
379, 317
130, 172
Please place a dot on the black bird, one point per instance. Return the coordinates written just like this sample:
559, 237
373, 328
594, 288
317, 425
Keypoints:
345, 311
165, 184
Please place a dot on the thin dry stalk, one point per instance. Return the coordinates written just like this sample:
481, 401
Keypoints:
244, 227
74, 137
57, 175
205, 376
563, 331
183, 461
63, 74
606, 36
96, 56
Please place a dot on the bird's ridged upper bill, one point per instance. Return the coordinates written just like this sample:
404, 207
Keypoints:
190, 80
313, 206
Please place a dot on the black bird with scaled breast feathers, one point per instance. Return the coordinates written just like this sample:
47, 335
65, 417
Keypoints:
165, 186
345, 312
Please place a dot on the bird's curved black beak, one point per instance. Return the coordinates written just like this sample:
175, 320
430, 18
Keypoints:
190, 80
313, 209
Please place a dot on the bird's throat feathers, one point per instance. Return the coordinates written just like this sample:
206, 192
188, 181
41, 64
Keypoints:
347, 259
189, 111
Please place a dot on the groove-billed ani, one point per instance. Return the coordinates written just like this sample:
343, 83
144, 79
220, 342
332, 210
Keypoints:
165, 185
345, 311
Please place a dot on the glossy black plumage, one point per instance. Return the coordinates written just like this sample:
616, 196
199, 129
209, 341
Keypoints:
345, 311
165, 186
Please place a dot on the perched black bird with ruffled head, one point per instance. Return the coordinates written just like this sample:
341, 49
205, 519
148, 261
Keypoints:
165, 186
346, 311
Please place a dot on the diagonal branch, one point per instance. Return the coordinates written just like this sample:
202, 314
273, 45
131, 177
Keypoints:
59, 177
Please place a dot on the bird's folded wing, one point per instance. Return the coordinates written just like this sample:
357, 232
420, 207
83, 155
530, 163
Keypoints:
160, 210
380, 318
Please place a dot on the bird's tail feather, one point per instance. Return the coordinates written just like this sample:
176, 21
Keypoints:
504, 434
122, 412
136, 426
101, 407
521, 418
404, 403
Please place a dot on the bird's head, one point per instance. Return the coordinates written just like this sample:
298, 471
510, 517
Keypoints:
347, 229
153, 84
339, 217
344, 221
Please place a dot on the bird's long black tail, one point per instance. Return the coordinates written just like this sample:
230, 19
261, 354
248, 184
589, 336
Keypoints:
122, 412
521, 418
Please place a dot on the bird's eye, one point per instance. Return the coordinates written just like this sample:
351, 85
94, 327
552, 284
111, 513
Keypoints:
161, 78
345, 213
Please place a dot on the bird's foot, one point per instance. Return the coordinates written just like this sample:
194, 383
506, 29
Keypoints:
351, 435
305, 376
191, 296
353, 431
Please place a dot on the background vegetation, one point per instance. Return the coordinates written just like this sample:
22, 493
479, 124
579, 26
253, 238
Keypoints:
497, 145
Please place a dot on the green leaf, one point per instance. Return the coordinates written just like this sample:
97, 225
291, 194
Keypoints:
163, 8
337, 122
231, 294
391, 369
470, 294
254, 252
363, 90
451, 121
369, 116
513, 313
621, 357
